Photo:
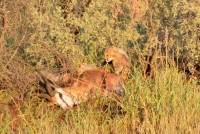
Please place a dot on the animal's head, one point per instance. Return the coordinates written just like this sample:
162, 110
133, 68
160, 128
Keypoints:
109, 54
63, 99
113, 52
54, 93
114, 83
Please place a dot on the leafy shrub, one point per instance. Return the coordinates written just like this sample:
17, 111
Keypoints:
171, 27
51, 42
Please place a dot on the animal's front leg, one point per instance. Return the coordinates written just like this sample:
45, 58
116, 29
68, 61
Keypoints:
118, 68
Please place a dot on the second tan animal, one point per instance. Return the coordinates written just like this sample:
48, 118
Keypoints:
120, 60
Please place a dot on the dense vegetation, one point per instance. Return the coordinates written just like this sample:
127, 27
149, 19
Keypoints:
162, 38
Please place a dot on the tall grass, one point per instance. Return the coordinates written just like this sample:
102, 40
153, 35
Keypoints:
166, 104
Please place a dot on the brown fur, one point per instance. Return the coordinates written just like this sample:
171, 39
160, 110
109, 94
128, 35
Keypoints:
120, 60
89, 82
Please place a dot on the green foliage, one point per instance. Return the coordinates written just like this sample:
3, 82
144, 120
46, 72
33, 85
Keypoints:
175, 25
50, 36
79, 29
103, 25
100, 25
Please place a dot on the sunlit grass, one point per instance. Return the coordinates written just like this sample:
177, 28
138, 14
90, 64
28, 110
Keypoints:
166, 104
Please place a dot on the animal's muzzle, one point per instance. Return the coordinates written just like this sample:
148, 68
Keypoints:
107, 60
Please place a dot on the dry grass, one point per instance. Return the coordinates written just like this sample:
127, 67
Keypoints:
166, 104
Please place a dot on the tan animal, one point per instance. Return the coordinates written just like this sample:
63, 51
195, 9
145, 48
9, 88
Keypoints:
89, 82
120, 60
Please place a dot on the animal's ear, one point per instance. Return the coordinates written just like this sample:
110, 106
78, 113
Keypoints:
114, 48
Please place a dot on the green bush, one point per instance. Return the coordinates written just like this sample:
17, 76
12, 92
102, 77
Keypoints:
171, 27
101, 24
51, 39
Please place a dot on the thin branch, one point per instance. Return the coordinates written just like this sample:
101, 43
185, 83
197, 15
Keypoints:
20, 43
5, 25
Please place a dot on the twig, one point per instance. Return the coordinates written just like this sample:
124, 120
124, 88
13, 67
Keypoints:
5, 25
20, 43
